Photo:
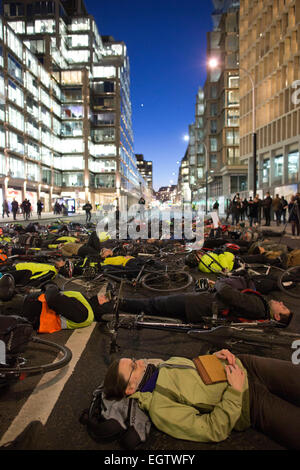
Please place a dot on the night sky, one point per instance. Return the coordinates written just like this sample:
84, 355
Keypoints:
166, 44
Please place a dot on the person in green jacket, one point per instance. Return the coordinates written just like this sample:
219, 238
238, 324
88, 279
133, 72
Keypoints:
260, 392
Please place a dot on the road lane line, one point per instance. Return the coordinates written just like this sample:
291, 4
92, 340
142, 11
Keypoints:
46, 393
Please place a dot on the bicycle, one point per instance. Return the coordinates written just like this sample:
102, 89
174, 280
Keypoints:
289, 281
30, 363
154, 280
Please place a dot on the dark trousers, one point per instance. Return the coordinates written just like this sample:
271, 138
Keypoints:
295, 227
86, 250
166, 306
274, 389
22, 277
278, 217
267, 213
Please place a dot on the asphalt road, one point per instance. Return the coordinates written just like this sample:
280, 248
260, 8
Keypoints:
57, 399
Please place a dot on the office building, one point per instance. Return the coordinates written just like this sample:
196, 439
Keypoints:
270, 53
145, 168
65, 110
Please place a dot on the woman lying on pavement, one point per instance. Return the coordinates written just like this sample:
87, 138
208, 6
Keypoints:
254, 392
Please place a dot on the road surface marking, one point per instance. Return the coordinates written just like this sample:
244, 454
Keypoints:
46, 393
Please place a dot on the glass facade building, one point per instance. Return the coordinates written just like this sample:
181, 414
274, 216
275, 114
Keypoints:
65, 109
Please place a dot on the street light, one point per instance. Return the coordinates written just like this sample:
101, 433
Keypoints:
206, 177
253, 129
213, 63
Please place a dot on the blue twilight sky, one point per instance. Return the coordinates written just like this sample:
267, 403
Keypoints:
166, 44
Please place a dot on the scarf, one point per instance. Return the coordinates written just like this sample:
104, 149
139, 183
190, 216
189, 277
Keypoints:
148, 381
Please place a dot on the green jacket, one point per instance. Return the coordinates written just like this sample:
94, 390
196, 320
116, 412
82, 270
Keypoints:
182, 406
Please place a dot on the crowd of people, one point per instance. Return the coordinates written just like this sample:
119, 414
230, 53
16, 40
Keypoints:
25, 208
257, 210
257, 391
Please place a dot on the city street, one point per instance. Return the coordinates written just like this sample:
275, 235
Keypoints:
57, 399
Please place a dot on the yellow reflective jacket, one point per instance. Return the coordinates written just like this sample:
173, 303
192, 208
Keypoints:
212, 262
116, 260
37, 269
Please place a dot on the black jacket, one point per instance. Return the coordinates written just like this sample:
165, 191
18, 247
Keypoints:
235, 303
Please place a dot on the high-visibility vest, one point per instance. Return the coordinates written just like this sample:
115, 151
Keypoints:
116, 260
37, 269
103, 236
3, 257
212, 262
51, 322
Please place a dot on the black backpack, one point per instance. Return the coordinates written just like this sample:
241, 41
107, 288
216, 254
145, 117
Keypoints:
15, 333
122, 420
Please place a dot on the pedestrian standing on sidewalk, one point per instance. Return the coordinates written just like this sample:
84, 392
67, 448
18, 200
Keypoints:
40, 206
284, 204
267, 205
14, 208
277, 208
5, 209
87, 208
294, 210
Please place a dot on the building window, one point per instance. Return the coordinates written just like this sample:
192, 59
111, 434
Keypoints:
104, 118
213, 160
213, 144
232, 98
1, 55
16, 119
33, 173
14, 68
213, 126
233, 118
232, 137
238, 183
278, 167
266, 172
16, 168
213, 109
72, 179
293, 165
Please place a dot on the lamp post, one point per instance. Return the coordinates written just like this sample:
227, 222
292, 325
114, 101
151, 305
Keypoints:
254, 143
206, 177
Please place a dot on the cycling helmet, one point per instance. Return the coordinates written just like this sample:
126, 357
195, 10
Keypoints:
67, 269
232, 246
202, 284
192, 260
7, 287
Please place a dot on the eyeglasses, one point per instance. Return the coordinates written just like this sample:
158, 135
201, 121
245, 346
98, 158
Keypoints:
133, 367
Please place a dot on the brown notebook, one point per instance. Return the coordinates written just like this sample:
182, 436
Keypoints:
210, 369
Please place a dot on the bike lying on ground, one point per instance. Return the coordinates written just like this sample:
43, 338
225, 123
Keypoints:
24, 354
148, 277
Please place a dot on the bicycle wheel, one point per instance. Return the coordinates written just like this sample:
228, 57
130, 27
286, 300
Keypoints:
167, 282
289, 282
32, 360
175, 250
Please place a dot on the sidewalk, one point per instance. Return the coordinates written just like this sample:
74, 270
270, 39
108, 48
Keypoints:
34, 217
